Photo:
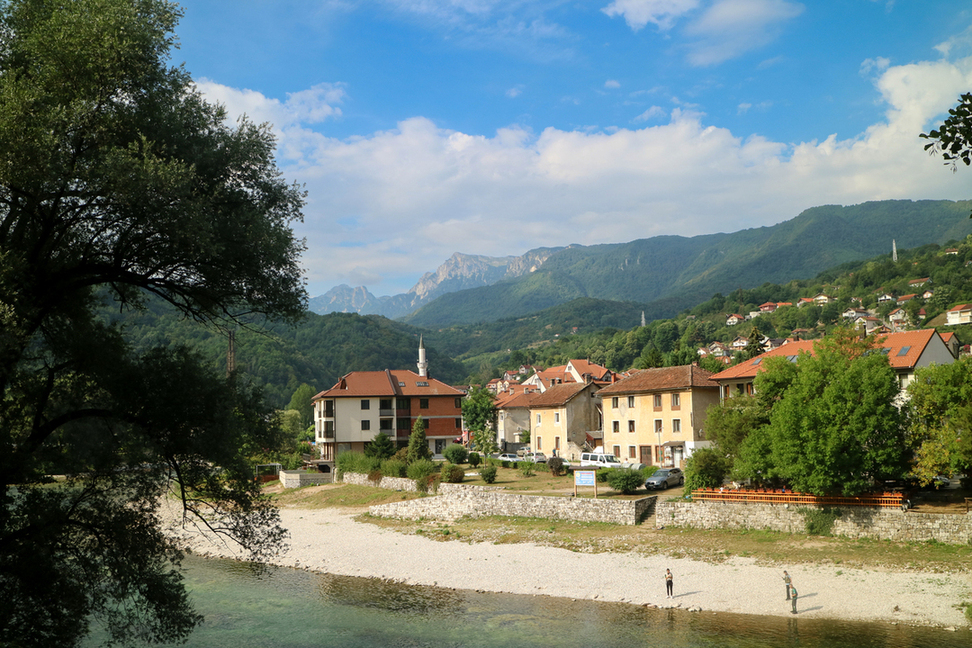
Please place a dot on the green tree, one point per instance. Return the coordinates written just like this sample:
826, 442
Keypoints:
479, 409
940, 419
418, 444
754, 345
118, 181
953, 139
835, 429
303, 402
381, 446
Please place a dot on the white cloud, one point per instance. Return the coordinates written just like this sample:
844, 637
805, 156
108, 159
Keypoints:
398, 202
662, 13
514, 92
653, 113
611, 84
879, 65
730, 28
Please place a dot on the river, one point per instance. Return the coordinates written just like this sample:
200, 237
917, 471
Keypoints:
246, 606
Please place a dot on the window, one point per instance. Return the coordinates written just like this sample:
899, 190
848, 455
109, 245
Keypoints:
458, 423
556, 443
403, 404
458, 403
365, 404
423, 403
657, 400
556, 418
385, 404
632, 452
630, 401
385, 424
365, 424
617, 451
615, 426
614, 403
631, 426
421, 383
676, 426
538, 418
676, 401
539, 443
658, 425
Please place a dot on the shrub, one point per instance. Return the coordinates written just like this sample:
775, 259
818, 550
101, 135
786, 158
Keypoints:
381, 446
455, 453
473, 459
706, 468
421, 468
526, 468
603, 474
453, 474
556, 466
375, 477
356, 462
428, 484
488, 473
625, 480
394, 467
401, 455
819, 521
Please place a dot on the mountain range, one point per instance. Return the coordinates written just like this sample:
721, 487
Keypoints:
665, 273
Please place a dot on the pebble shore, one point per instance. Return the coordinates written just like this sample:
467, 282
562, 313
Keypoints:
330, 540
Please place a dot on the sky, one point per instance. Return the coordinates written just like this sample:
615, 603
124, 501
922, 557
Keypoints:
421, 128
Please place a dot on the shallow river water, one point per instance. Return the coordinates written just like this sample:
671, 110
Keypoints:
285, 608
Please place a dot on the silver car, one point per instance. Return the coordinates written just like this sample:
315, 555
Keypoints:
665, 478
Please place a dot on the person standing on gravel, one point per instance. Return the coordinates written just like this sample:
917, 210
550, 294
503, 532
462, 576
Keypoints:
786, 581
668, 583
793, 600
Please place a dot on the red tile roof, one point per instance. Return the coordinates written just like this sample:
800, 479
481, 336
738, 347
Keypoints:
661, 379
557, 395
390, 382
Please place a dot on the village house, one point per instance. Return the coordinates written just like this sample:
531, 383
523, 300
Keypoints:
575, 371
961, 314
804, 301
657, 416
363, 403
562, 415
513, 414
906, 351
822, 300
734, 319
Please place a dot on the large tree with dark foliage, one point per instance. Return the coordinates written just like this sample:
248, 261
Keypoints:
117, 181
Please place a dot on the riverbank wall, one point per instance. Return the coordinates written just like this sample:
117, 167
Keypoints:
850, 522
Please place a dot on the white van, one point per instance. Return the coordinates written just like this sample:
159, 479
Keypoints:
599, 460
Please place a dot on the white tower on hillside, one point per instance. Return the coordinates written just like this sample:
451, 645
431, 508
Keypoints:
894, 251
423, 366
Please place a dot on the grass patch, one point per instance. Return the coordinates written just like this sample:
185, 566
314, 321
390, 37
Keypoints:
339, 495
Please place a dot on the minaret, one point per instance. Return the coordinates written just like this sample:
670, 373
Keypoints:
894, 251
642, 318
423, 366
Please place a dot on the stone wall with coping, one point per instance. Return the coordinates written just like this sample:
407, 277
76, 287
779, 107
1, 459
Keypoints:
854, 521
454, 501
298, 478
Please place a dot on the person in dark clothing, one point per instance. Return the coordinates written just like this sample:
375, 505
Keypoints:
668, 583
793, 599
786, 581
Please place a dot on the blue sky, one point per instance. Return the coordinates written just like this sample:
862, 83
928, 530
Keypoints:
421, 128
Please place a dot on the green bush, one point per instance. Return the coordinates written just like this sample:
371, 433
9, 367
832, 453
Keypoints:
453, 474
375, 477
356, 462
706, 468
603, 474
421, 468
488, 473
428, 484
556, 466
819, 521
625, 480
455, 453
474, 459
526, 468
394, 468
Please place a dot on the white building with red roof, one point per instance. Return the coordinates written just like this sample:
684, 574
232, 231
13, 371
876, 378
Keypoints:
961, 314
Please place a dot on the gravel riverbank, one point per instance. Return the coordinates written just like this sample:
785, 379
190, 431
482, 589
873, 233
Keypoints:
330, 540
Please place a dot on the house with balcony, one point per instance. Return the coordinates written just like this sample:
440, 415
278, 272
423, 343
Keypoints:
363, 403
657, 416
961, 314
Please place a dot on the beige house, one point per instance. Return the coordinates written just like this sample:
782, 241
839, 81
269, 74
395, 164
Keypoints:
657, 416
513, 414
561, 415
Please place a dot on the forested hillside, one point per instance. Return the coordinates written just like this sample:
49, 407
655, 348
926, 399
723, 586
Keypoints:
671, 273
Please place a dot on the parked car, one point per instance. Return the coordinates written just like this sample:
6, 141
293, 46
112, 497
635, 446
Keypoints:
535, 457
665, 478
508, 456
599, 460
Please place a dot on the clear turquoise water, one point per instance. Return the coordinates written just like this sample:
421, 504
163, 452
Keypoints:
286, 608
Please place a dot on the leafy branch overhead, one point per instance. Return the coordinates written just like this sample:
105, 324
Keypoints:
953, 139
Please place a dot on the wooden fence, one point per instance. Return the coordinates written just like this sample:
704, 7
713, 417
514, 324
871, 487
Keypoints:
883, 500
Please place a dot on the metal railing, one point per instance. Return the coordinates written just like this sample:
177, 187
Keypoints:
784, 496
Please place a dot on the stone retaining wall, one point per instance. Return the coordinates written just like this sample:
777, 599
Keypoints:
854, 522
454, 501
298, 478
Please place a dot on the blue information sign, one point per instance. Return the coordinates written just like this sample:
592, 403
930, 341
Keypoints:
583, 478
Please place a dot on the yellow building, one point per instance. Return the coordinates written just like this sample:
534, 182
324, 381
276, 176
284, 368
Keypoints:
657, 416
562, 415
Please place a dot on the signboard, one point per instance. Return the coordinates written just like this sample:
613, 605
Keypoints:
585, 478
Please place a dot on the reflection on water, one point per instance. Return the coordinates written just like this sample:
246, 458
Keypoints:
285, 608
